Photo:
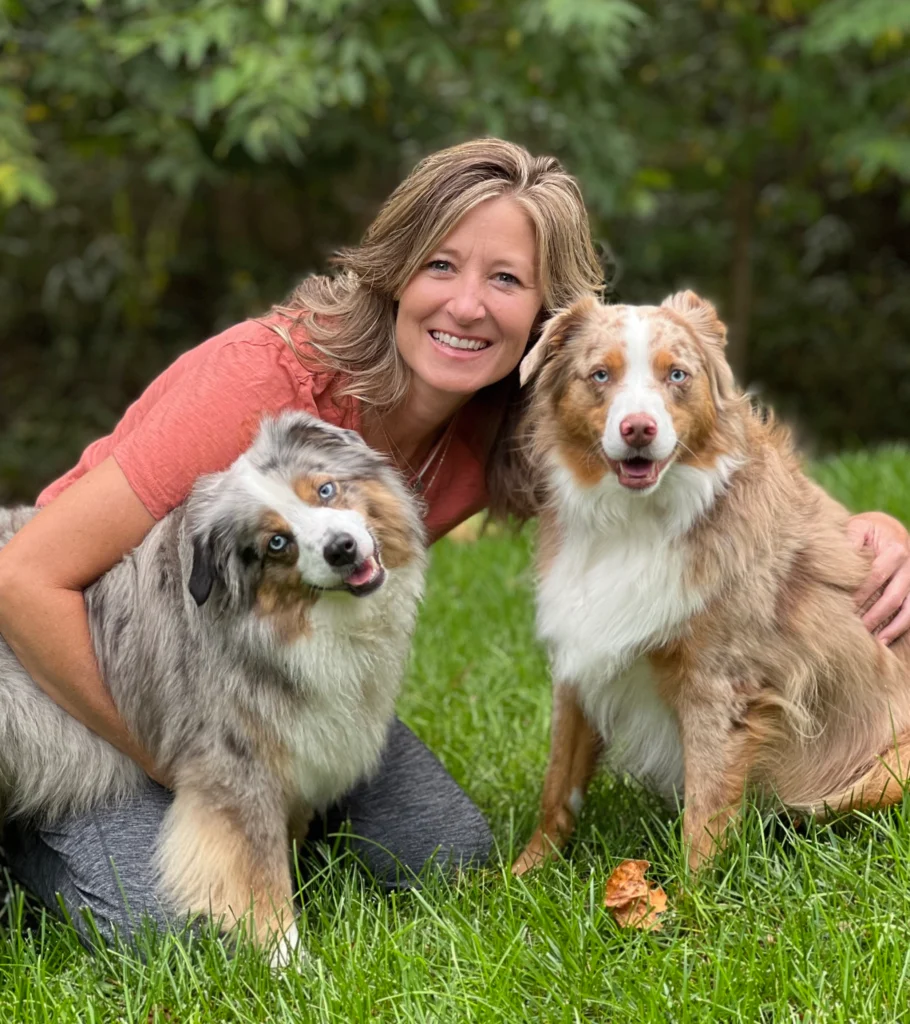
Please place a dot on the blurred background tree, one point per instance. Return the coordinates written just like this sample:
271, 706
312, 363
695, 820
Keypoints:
168, 167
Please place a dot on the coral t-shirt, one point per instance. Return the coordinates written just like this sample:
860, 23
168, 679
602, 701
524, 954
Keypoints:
204, 410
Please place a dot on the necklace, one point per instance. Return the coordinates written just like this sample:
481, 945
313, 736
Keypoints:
441, 447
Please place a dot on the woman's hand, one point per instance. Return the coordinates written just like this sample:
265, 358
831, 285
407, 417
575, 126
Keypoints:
886, 593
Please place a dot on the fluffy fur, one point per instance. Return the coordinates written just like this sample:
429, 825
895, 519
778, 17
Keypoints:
254, 643
696, 587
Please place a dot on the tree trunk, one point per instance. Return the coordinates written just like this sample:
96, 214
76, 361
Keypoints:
743, 198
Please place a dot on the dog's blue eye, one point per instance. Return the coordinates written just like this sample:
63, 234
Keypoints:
677, 376
600, 376
278, 543
327, 491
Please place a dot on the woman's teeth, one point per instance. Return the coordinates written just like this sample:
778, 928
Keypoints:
449, 339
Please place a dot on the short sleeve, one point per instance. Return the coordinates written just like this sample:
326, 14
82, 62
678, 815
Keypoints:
205, 419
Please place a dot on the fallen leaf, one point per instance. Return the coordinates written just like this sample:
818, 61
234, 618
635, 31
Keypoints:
632, 901
626, 883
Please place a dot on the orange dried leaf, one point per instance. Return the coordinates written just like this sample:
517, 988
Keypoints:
642, 912
626, 883
632, 901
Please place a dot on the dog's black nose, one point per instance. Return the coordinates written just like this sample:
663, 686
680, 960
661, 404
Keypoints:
340, 550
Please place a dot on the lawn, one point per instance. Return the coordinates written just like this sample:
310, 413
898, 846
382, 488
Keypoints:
794, 924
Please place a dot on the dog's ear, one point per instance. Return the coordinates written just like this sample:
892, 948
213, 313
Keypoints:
554, 335
352, 437
700, 315
299, 428
203, 573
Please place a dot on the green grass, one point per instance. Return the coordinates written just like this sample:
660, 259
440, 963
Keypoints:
794, 924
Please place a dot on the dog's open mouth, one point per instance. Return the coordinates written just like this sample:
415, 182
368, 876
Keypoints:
366, 577
638, 473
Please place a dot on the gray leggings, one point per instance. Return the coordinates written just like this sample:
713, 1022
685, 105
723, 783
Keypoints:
411, 814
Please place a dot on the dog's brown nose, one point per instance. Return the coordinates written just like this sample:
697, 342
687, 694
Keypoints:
638, 430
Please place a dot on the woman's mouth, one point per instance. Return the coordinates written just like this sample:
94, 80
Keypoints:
458, 343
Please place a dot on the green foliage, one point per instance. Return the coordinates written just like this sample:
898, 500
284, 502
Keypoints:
21, 174
167, 166
879, 25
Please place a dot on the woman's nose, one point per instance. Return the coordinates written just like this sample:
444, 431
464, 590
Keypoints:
466, 305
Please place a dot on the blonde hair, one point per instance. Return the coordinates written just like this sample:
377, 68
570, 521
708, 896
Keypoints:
350, 318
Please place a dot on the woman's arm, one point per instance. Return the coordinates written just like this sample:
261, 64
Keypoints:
43, 571
889, 577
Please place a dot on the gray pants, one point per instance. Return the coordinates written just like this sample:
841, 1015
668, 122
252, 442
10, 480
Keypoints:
411, 814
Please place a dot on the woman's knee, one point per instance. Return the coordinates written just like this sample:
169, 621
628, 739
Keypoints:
413, 816
99, 866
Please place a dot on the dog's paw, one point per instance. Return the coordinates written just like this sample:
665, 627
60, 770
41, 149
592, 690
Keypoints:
289, 951
538, 851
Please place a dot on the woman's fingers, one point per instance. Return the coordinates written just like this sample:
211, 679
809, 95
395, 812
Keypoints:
883, 599
892, 609
898, 626
889, 557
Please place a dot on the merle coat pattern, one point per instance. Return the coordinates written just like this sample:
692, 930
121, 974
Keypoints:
260, 673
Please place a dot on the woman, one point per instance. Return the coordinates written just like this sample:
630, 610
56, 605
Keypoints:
414, 344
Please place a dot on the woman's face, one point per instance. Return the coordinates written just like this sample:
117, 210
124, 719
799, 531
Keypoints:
465, 316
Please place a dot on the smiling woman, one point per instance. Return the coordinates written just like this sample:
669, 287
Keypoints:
465, 316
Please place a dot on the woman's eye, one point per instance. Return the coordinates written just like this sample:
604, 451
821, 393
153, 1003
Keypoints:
327, 491
441, 265
600, 376
504, 277
677, 376
278, 543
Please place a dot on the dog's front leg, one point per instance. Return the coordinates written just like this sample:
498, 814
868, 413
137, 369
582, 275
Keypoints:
300, 818
228, 858
574, 748
718, 752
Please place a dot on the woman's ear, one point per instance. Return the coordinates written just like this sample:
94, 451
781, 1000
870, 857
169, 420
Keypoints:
553, 336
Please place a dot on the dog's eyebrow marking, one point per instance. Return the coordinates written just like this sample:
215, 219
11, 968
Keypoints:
307, 486
273, 522
278, 496
611, 360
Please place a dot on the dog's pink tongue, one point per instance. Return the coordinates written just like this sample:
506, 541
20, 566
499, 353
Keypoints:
638, 468
364, 573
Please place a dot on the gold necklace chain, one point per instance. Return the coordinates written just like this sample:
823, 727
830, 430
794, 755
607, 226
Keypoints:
448, 440
415, 478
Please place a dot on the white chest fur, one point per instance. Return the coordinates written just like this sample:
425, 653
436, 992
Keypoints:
609, 596
616, 590
600, 607
351, 666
